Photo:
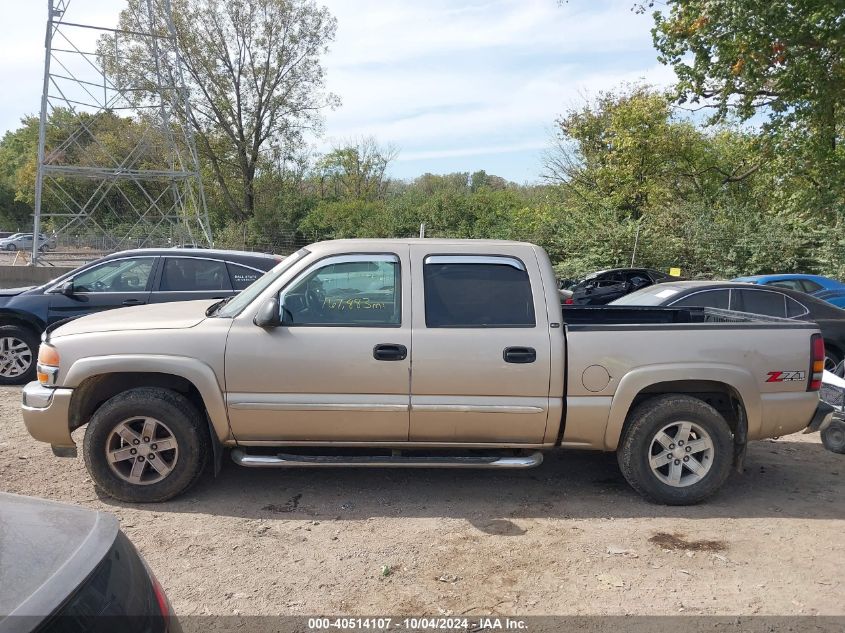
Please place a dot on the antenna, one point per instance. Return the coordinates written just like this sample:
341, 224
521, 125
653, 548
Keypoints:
99, 176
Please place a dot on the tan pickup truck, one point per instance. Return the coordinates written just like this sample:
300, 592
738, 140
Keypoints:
422, 353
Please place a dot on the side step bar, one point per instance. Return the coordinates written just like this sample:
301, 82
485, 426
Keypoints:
282, 460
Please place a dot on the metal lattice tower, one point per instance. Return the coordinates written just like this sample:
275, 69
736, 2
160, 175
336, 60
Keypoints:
98, 174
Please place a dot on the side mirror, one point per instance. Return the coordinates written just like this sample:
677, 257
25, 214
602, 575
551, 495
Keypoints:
67, 288
268, 314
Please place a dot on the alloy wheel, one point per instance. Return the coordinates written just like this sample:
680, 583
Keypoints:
681, 454
142, 450
15, 357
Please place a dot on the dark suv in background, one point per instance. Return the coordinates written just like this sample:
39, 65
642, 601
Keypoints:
604, 286
127, 278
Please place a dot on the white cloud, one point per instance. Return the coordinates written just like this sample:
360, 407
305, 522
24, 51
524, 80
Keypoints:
488, 77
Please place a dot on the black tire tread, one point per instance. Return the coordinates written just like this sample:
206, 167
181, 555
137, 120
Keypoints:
639, 430
197, 456
827, 437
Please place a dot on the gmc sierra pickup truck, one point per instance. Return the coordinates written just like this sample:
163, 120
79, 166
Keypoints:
421, 353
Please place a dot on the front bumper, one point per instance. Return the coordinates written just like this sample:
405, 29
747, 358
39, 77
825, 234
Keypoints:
45, 414
822, 417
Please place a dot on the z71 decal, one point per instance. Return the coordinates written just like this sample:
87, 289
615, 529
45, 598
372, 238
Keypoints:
785, 376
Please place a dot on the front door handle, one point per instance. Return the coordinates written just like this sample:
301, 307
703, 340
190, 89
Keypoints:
519, 355
390, 351
132, 302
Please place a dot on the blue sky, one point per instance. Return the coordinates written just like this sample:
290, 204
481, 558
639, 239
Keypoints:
453, 85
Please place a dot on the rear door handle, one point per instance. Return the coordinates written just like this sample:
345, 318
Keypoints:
132, 302
519, 355
390, 351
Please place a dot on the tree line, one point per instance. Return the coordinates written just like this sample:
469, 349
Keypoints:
737, 169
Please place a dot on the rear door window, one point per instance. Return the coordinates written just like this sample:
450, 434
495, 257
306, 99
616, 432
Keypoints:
763, 302
185, 274
794, 309
791, 284
810, 286
477, 292
705, 299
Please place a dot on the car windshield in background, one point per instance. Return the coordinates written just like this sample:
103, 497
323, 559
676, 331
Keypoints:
652, 296
234, 307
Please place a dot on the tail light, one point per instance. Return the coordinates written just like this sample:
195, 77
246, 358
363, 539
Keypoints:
165, 610
816, 362
568, 301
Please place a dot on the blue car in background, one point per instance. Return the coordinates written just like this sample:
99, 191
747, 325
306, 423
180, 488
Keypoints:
823, 288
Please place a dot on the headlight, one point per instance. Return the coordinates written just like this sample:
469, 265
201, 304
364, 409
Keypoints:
48, 364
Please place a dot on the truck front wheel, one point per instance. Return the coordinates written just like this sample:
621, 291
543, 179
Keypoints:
675, 450
146, 445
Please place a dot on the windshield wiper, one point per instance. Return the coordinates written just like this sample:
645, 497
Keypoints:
214, 307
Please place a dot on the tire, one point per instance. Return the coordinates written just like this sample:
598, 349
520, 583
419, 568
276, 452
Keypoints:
18, 346
641, 443
176, 419
11, 247
833, 437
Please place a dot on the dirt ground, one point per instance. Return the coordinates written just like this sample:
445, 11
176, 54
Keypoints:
568, 537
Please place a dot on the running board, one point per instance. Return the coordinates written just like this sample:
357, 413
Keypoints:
282, 460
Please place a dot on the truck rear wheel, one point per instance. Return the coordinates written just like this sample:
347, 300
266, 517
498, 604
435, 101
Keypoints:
146, 445
675, 450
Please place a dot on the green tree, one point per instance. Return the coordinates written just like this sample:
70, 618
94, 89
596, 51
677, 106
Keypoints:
711, 200
781, 59
254, 73
357, 170
17, 149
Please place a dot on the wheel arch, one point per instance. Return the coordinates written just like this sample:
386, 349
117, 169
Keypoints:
730, 390
22, 319
96, 379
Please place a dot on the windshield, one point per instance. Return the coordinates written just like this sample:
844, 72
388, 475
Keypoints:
656, 295
234, 307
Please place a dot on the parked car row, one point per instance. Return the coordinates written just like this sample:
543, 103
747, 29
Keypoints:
127, 278
790, 296
824, 288
604, 286
769, 300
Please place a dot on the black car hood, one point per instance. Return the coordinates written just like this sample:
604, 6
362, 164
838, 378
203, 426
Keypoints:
46, 550
13, 292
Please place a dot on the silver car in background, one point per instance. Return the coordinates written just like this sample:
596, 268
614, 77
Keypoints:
23, 242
